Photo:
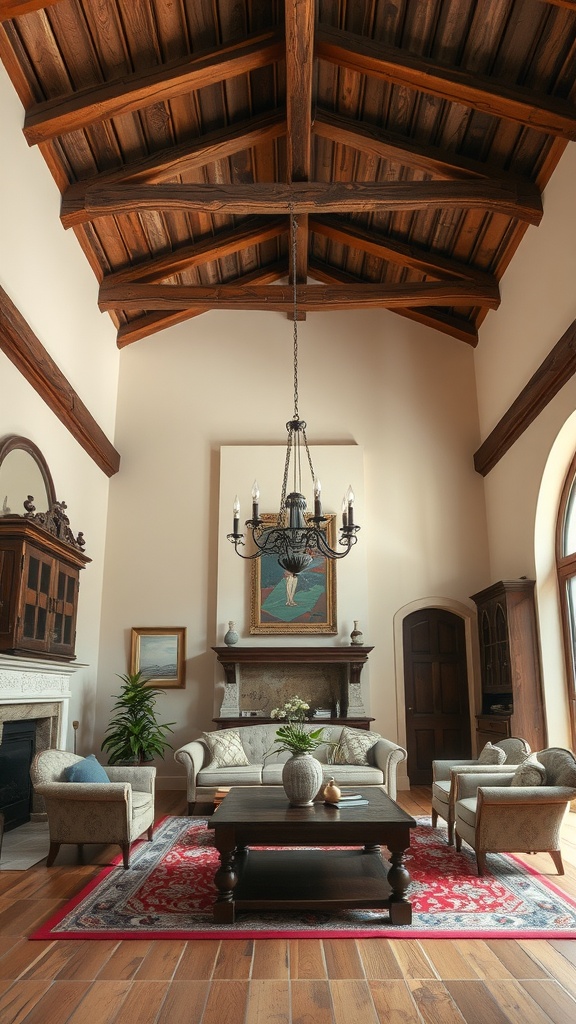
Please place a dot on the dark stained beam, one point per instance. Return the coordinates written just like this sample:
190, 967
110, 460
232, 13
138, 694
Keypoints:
405, 254
208, 148
316, 197
150, 323
14, 8
23, 348
69, 113
439, 319
299, 22
547, 114
558, 367
226, 243
310, 297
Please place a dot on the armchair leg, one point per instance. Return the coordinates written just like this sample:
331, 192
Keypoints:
150, 832
434, 818
557, 858
52, 854
450, 833
481, 861
458, 842
126, 854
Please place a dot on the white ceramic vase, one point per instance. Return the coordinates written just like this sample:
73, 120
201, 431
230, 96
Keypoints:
301, 778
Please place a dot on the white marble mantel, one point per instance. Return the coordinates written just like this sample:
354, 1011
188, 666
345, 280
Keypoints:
28, 682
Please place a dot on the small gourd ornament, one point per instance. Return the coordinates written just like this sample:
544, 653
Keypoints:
331, 793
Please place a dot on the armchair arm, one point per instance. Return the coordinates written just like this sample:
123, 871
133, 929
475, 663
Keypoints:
441, 769
521, 818
191, 755
466, 783
86, 792
387, 757
140, 777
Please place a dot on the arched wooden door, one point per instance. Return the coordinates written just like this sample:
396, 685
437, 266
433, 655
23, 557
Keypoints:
436, 690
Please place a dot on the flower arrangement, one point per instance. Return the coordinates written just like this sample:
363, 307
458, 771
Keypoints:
292, 736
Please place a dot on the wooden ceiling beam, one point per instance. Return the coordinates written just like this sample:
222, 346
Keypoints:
87, 106
310, 297
299, 30
150, 323
14, 8
439, 319
207, 149
548, 114
214, 247
317, 196
405, 254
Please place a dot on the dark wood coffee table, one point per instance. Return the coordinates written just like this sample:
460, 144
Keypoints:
310, 879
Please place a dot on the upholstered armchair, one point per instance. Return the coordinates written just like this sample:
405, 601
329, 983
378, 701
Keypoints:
116, 811
443, 782
493, 813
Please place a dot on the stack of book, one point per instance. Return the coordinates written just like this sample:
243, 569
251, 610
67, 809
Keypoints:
322, 713
220, 794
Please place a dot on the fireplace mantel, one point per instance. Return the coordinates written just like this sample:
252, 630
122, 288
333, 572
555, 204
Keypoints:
338, 669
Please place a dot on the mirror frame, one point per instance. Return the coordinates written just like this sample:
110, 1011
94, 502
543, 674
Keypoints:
14, 442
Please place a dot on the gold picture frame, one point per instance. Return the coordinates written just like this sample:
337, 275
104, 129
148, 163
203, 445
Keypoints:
160, 654
313, 610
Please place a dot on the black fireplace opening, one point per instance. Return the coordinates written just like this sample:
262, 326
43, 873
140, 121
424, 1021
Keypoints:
16, 752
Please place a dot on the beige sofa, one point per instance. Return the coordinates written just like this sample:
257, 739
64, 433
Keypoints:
264, 768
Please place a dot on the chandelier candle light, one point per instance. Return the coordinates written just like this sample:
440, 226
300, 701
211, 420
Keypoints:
297, 537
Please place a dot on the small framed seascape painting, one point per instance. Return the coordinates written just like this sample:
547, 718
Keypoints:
285, 604
159, 653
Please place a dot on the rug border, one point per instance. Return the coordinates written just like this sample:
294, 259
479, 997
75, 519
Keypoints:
45, 931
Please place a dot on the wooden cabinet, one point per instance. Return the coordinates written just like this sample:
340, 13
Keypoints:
39, 580
512, 703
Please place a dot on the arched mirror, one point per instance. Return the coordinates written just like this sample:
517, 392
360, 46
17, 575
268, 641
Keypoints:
23, 473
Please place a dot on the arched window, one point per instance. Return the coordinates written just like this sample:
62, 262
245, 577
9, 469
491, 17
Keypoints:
566, 564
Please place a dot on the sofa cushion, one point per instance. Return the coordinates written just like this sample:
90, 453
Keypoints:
249, 775
226, 749
530, 773
345, 774
354, 746
441, 791
467, 810
86, 770
492, 755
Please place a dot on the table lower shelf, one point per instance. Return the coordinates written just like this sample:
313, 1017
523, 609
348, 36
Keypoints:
310, 879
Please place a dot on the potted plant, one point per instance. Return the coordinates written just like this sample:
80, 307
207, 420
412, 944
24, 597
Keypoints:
134, 734
302, 773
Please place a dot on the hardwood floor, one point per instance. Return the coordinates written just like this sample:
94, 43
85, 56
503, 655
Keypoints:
330, 981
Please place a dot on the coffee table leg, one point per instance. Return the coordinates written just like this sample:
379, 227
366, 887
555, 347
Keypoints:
399, 880
225, 880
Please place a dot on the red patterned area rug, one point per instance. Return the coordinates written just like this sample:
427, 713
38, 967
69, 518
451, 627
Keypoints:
169, 891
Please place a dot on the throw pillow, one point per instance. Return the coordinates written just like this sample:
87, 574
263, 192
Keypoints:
87, 770
492, 755
226, 749
530, 773
354, 745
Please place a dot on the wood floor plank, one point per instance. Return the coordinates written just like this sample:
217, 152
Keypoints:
161, 962
307, 959
86, 959
20, 917
270, 959
484, 961
59, 1001
142, 1003
554, 1001
19, 959
447, 959
352, 1002
102, 1003
234, 959
393, 1002
226, 1003
19, 999
184, 1001
268, 1002
125, 960
311, 1001
566, 947
378, 959
515, 1002
53, 960
198, 960
516, 960
412, 959
553, 962
435, 1003
342, 959
476, 1002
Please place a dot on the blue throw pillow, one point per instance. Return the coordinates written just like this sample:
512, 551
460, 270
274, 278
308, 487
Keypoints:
88, 770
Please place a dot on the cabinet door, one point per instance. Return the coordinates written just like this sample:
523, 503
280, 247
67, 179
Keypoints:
63, 605
494, 648
35, 615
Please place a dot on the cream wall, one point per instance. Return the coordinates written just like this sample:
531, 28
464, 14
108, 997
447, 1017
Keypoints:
370, 382
45, 274
522, 491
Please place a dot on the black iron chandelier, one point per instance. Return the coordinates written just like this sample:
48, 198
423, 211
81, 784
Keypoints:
298, 537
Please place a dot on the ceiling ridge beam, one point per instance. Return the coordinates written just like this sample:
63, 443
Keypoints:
492, 96
64, 114
316, 196
206, 149
405, 254
15, 8
309, 297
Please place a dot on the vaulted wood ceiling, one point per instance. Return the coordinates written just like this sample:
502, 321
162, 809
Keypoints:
407, 142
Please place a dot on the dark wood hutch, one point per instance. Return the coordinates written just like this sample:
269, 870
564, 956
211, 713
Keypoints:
343, 664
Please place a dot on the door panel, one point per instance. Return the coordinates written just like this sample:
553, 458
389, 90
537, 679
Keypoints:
436, 690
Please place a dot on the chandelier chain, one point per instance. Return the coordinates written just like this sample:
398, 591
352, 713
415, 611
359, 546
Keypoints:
294, 225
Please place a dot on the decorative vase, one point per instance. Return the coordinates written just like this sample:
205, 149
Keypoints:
356, 636
301, 778
231, 637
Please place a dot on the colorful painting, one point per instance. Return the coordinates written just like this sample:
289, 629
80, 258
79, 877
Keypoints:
159, 654
284, 603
